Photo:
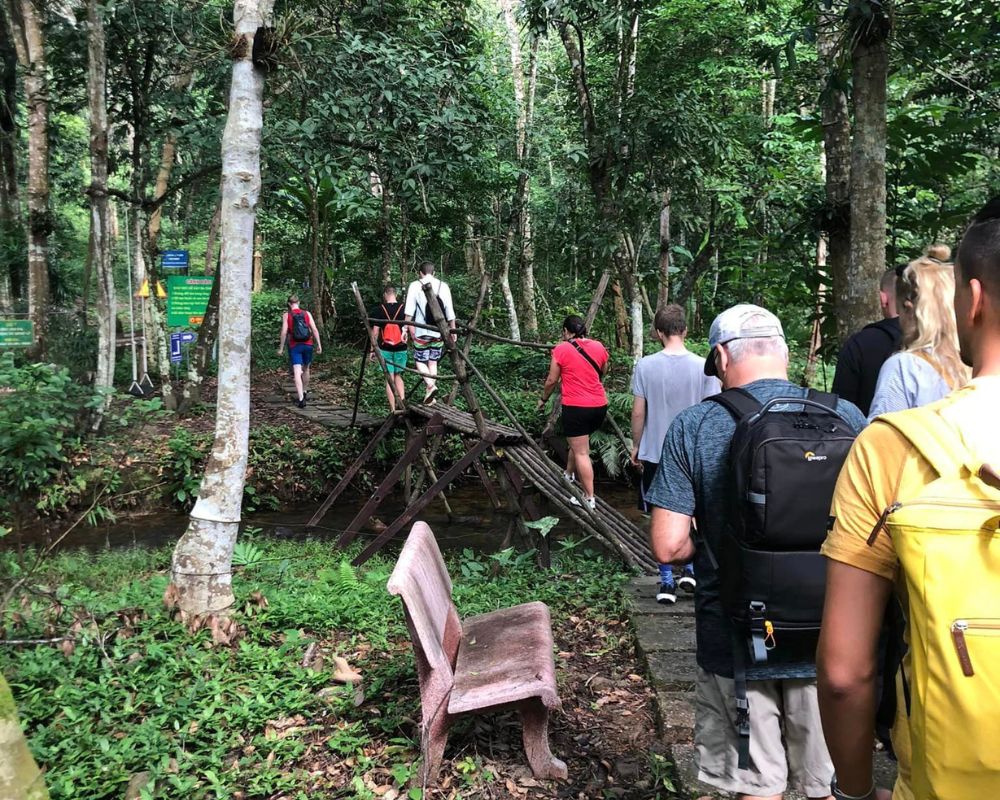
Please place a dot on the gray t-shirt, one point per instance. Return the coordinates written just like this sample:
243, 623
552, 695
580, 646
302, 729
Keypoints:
906, 381
669, 382
694, 478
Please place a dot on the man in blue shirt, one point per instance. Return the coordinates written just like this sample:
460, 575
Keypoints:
694, 481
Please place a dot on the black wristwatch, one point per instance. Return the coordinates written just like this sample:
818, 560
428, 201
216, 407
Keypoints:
839, 795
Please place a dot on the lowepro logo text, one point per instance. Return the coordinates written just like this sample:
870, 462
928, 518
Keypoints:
811, 456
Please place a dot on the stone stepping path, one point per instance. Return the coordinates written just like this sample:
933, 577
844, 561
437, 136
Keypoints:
327, 414
665, 642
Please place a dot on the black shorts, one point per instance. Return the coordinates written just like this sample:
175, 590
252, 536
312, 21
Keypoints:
648, 473
582, 420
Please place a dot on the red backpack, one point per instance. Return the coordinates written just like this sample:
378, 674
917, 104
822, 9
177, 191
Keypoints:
392, 333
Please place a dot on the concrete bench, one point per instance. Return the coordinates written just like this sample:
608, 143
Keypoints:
485, 663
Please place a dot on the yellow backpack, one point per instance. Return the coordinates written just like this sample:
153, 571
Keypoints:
948, 545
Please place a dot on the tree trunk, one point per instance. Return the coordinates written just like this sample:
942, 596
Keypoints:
837, 165
10, 206
621, 316
258, 266
504, 274
473, 249
20, 778
167, 158
201, 572
528, 299
315, 282
634, 294
858, 298
663, 292
100, 217
198, 364
385, 234
25, 17
213, 235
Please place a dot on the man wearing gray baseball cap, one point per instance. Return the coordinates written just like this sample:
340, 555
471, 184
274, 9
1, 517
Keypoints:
775, 739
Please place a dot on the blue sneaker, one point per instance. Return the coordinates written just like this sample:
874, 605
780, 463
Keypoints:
666, 593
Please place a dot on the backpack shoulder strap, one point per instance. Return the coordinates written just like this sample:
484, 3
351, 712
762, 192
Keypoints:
586, 355
738, 402
933, 438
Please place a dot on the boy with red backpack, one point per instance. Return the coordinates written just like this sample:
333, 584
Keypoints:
390, 331
298, 327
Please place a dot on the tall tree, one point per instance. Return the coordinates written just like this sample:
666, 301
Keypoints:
100, 216
836, 161
201, 572
10, 206
869, 24
25, 21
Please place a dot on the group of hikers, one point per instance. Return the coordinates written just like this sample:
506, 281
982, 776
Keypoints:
842, 547
394, 326
845, 545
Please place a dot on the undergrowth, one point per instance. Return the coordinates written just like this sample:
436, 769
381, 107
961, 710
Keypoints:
133, 691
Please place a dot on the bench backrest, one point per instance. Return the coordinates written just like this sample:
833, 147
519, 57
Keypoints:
421, 579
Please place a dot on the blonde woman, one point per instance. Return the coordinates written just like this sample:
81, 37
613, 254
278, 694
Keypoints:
929, 366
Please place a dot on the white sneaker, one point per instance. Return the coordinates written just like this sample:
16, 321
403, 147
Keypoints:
573, 501
592, 503
569, 478
687, 582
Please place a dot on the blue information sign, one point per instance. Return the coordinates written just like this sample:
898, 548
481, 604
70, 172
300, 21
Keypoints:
174, 259
176, 340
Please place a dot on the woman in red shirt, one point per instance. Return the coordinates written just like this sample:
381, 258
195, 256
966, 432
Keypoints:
581, 364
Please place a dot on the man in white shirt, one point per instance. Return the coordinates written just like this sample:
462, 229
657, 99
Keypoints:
426, 337
663, 385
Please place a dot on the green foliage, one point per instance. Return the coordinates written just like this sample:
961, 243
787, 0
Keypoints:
280, 467
41, 414
138, 692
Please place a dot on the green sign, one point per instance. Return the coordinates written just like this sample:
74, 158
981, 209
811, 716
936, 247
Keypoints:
17, 333
187, 299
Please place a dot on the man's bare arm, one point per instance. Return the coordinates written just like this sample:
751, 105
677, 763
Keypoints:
284, 333
670, 537
847, 670
638, 423
315, 333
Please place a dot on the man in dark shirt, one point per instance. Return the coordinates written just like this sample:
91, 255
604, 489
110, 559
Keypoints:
694, 480
391, 334
866, 351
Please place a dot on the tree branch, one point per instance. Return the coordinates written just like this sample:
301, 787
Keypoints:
153, 203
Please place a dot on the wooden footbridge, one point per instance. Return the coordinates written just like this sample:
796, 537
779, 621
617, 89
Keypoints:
523, 471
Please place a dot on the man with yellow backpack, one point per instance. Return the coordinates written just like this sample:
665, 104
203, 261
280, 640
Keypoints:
916, 512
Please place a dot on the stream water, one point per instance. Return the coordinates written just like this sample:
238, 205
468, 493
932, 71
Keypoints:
473, 524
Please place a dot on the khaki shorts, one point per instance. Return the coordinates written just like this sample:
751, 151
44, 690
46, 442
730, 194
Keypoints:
784, 716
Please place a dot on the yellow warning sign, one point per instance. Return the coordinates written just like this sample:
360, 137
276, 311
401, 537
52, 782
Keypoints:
144, 290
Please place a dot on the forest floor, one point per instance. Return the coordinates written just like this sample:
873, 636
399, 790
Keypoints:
131, 691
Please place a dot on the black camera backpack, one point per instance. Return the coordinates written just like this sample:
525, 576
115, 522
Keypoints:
785, 457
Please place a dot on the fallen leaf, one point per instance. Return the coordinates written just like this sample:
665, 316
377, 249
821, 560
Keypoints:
343, 671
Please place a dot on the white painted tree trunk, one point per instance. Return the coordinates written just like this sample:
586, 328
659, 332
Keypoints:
19, 775
100, 217
201, 572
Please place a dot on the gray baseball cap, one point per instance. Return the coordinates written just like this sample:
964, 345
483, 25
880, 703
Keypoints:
744, 321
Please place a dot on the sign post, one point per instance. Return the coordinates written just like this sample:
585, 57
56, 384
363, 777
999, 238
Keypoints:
16, 333
187, 299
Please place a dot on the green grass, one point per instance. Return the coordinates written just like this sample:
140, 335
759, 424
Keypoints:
140, 693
